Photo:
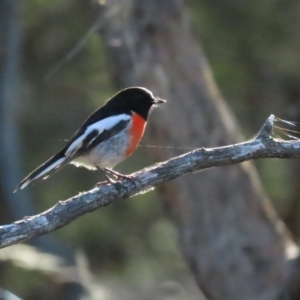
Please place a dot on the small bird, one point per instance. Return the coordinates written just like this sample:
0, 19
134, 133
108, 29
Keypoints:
107, 137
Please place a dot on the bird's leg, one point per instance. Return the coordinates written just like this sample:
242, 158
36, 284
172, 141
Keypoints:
110, 180
117, 174
120, 176
107, 177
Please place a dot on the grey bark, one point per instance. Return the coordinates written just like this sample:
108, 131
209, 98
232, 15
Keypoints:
228, 232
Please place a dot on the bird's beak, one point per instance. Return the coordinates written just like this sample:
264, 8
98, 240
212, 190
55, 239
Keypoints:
159, 101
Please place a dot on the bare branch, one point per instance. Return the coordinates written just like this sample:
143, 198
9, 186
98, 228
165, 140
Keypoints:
263, 145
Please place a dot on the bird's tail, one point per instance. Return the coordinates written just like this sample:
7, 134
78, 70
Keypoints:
45, 170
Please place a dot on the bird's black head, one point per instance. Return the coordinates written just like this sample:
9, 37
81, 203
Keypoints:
136, 99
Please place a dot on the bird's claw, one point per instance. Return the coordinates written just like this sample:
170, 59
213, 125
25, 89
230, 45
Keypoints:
117, 184
117, 175
98, 184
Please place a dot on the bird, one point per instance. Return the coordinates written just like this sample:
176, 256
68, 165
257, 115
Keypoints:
107, 137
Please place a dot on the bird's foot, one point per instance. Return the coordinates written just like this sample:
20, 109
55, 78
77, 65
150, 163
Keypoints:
117, 184
110, 180
98, 184
117, 175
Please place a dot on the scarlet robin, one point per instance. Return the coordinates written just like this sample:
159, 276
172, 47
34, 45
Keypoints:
107, 137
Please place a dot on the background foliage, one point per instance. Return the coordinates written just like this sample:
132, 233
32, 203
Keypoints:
253, 50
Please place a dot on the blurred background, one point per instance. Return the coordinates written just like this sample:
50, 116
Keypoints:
54, 73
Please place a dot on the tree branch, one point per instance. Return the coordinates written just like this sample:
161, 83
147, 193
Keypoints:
263, 145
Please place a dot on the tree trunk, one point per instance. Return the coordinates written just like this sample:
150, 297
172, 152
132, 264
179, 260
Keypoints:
229, 234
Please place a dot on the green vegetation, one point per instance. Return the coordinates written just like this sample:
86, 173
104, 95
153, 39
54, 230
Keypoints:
253, 50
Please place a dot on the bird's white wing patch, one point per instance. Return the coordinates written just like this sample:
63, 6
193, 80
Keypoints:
51, 167
23, 185
100, 126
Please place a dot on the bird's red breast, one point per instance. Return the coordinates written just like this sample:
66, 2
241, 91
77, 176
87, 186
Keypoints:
136, 132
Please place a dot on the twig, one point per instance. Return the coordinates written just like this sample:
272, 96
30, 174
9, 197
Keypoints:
82, 42
263, 145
